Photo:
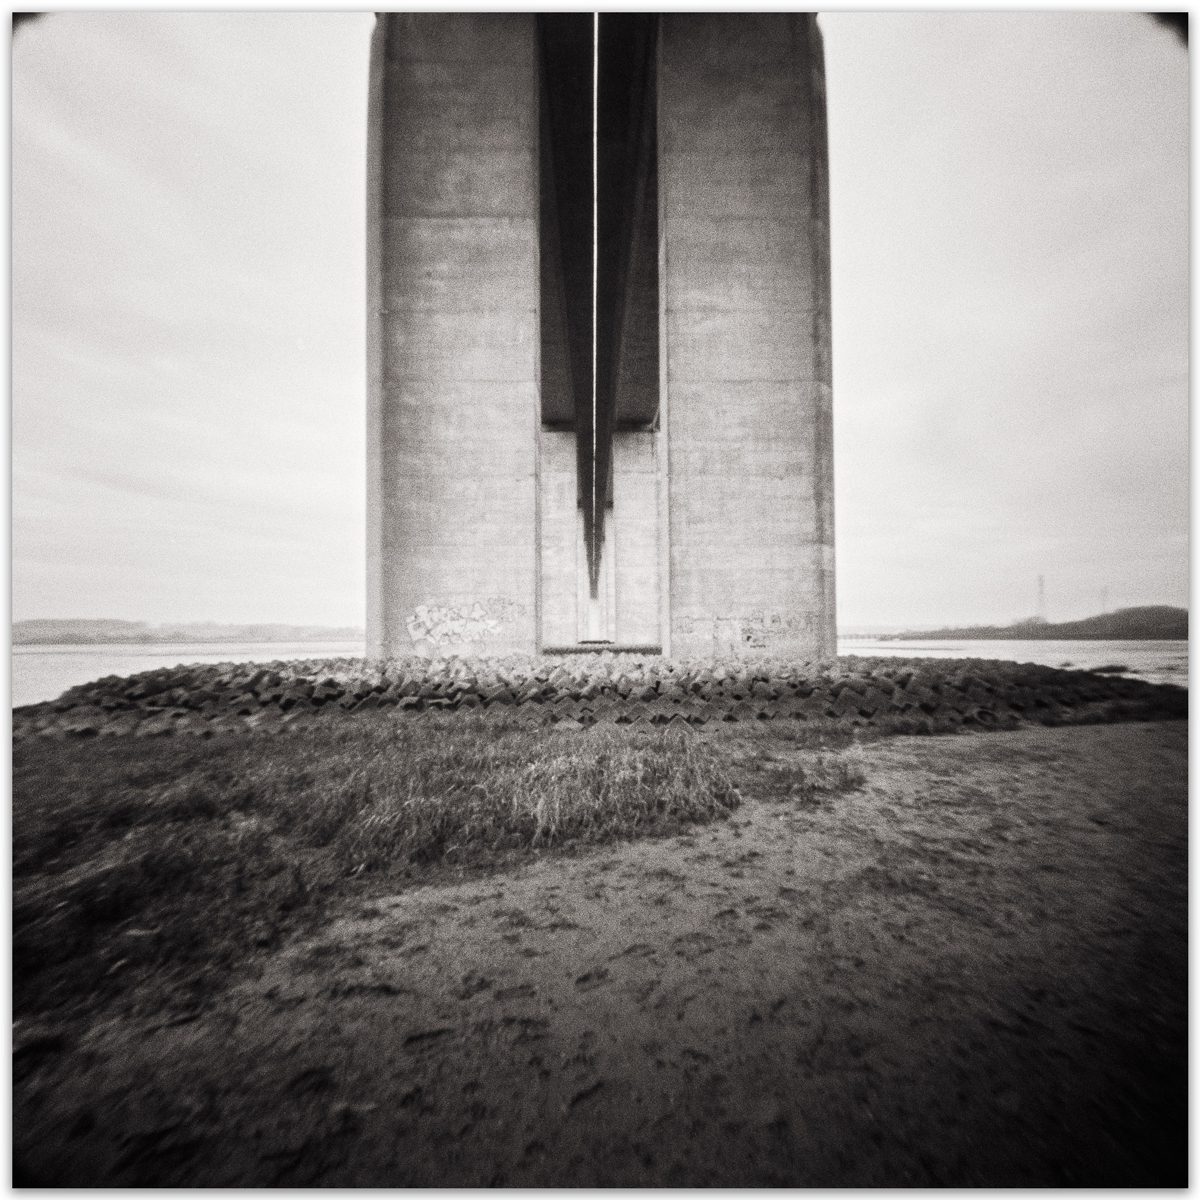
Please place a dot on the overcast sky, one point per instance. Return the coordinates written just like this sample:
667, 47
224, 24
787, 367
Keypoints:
1010, 287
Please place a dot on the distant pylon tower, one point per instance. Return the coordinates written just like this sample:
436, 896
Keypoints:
1041, 603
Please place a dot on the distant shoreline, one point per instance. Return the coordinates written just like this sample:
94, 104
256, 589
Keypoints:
1150, 623
189, 641
1015, 635
83, 632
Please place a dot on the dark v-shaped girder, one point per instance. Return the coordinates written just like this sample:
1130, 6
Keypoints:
627, 169
626, 163
565, 43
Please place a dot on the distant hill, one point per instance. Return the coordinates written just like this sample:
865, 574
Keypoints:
85, 632
1151, 623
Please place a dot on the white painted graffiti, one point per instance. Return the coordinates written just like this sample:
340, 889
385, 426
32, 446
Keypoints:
435, 627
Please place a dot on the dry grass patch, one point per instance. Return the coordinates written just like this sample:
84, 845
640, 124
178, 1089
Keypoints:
814, 780
153, 867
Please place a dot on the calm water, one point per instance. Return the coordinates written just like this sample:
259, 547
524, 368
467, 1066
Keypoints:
44, 672
1157, 662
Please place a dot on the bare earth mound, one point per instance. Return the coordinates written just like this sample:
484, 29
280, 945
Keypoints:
962, 961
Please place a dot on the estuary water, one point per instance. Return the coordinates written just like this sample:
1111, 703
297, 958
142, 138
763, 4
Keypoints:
1156, 662
44, 672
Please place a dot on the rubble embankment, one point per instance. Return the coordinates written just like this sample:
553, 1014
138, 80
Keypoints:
889, 694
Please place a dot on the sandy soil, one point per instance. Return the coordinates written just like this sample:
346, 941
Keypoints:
972, 971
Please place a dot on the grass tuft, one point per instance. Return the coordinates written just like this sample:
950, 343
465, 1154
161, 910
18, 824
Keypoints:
811, 781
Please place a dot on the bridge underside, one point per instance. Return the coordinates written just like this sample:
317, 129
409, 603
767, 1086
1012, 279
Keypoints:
611, 432
622, 331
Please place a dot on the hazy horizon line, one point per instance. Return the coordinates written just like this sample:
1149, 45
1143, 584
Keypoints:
360, 626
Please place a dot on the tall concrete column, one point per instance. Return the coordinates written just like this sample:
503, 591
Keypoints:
691, 508
453, 335
745, 373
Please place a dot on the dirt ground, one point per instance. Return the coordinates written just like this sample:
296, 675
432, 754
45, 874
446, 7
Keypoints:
970, 971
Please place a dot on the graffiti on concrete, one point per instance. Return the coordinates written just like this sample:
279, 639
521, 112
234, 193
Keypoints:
755, 630
439, 628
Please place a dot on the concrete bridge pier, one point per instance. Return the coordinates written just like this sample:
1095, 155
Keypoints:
656, 473
747, 411
453, 335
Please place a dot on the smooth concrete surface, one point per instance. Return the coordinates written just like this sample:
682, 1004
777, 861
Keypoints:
625, 609
745, 290
561, 539
597, 604
375, 612
633, 553
455, 331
